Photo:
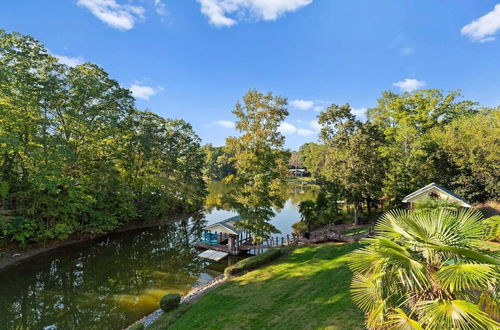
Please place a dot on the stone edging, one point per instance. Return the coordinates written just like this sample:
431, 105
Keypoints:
195, 293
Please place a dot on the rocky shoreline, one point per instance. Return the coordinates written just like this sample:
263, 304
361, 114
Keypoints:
194, 294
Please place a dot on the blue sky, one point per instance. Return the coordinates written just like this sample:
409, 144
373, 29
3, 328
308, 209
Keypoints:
193, 59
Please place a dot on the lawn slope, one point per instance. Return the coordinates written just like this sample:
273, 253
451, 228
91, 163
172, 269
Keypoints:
309, 289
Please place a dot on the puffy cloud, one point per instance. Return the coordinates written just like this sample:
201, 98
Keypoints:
302, 104
224, 123
483, 28
122, 17
69, 61
218, 11
409, 84
144, 92
286, 129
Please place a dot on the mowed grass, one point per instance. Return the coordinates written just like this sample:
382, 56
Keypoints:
309, 289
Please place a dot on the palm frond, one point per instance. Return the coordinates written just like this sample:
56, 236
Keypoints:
467, 253
366, 292
398, 319
465, 276
454, 314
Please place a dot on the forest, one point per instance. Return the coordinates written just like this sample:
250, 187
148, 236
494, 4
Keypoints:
78, 157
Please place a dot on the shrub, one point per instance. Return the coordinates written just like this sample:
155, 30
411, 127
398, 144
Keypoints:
253, 262
299, 227
170, 302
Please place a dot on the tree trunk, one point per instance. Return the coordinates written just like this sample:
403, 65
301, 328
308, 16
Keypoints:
356, 215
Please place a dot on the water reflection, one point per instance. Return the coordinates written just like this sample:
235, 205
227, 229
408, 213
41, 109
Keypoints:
110, 283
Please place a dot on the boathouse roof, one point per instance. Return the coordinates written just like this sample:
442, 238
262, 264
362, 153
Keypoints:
227, 226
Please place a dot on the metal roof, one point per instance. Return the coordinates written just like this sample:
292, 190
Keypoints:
228, 224
436, 186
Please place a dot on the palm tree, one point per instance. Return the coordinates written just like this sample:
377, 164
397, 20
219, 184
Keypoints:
426, 270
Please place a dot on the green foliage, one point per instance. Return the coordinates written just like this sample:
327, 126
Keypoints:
254, 262
299, 227
76, 156
170, 301
426, 268
431, 203
259, 160
217, 164
492, 228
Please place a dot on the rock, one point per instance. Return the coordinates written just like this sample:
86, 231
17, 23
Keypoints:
170, 301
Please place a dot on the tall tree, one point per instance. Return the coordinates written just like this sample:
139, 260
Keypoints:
353, 160
260, 161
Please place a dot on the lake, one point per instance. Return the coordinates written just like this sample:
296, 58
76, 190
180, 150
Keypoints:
109, 283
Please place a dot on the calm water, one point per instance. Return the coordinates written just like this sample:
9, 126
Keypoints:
111, 282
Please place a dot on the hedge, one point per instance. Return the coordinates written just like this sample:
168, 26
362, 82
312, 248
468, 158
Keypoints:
255, 261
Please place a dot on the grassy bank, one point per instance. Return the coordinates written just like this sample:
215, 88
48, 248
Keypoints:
308, 289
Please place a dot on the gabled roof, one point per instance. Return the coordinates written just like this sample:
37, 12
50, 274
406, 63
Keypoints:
228, 226
438, 187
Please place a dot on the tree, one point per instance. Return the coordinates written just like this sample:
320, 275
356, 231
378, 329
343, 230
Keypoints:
472, 147
308, 213
425, 269
259, 160
406, 120
352, 161
76, 156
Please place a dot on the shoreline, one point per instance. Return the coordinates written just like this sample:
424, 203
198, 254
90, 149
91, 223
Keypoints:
17, 256
194, 294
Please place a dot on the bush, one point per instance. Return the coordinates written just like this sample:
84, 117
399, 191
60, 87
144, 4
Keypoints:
253, 262
170, 302
299, 227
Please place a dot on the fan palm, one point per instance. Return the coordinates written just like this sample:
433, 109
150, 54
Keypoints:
426, 269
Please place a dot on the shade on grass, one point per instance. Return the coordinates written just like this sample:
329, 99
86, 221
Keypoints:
307, 290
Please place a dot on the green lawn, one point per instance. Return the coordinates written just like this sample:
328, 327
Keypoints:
356, 230
308, 289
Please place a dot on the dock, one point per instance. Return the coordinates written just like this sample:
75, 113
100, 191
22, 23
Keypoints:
225, 237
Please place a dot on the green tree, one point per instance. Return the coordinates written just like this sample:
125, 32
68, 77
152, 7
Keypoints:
353, 160
308, 213
406, 120
426, 269
259, 160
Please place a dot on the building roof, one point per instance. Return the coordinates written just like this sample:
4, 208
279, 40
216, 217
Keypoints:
438, 187
226, 226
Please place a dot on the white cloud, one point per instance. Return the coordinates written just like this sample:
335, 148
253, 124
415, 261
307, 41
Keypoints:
302, 104
359, 112
160, 8
305, 132
69, 61
409, 84
483, 28
144, 92
319, 108
286, 129
122, 17
224, 123
218, 11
